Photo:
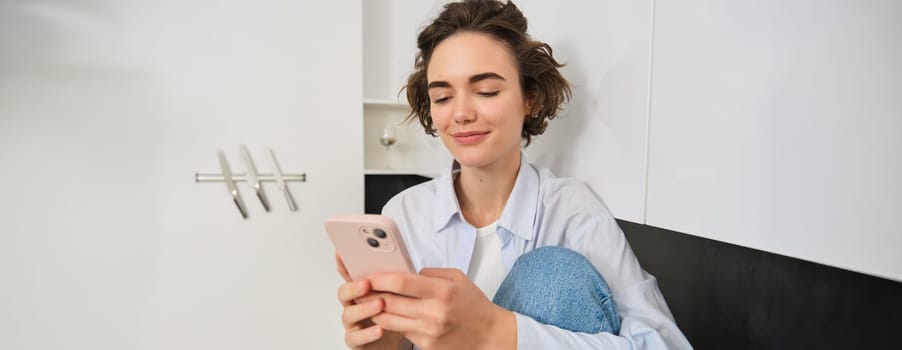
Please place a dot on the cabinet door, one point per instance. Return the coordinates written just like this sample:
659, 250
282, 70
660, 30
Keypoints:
107, 110
775, 126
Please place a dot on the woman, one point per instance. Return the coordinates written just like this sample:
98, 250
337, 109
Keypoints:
545, 249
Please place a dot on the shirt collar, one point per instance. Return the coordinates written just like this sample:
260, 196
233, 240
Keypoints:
519, 215
446, 204
519, 212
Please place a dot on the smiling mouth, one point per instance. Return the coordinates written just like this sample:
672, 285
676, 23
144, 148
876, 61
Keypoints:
469, 137
469, 133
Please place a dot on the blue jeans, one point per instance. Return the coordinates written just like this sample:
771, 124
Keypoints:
560, 287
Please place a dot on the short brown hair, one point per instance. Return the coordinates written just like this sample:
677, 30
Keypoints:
540, 79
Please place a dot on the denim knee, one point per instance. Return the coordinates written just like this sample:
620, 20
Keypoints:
560, 287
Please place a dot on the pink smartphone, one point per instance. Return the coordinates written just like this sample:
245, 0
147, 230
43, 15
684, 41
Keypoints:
368, 244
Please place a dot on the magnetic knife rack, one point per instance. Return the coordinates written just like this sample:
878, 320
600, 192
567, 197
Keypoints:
252, 178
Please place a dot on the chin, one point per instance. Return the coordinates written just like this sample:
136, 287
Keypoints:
466, 157
476, 156
473, 157
469, 162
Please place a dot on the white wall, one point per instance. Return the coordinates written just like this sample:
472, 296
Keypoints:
600, 137
768, 124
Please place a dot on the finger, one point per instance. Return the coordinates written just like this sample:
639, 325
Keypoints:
342, 270
357, 338
443, 273
408, 284
352, 290
353, 314
371, 296
398, 323
409, 307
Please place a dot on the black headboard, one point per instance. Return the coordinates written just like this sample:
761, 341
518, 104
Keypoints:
725, 296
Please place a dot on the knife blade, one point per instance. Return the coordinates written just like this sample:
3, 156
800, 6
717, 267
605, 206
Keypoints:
251, 176
280, 180
230, 183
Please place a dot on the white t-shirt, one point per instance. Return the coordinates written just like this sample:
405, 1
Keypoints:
486, 268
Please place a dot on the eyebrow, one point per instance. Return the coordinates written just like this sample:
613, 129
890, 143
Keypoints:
473, 79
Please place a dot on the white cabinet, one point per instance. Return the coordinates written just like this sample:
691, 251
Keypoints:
107, 110
390, 28
775, 125
413, 152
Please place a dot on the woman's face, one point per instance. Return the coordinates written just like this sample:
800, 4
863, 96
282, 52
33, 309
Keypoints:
476, 100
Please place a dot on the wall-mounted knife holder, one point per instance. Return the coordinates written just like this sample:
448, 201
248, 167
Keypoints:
253, 179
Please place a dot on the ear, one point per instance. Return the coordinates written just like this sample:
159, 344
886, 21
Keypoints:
529, 104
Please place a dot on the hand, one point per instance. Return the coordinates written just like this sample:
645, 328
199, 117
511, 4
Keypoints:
360, 332
442, 309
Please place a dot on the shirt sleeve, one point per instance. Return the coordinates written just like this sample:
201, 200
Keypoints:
646, 321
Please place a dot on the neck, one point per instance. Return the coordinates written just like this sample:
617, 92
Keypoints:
483, 192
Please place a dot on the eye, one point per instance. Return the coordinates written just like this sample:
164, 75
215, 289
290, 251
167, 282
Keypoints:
487, 94
441, 100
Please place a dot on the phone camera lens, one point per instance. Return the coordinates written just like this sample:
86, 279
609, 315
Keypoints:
372, 242
379, 233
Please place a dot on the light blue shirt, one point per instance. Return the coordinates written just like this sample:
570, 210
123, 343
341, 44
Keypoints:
542, 210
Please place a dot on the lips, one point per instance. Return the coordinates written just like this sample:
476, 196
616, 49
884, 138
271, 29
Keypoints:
469, 137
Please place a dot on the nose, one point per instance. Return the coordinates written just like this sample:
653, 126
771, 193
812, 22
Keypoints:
464, 111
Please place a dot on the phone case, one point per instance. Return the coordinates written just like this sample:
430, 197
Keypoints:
363, 249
